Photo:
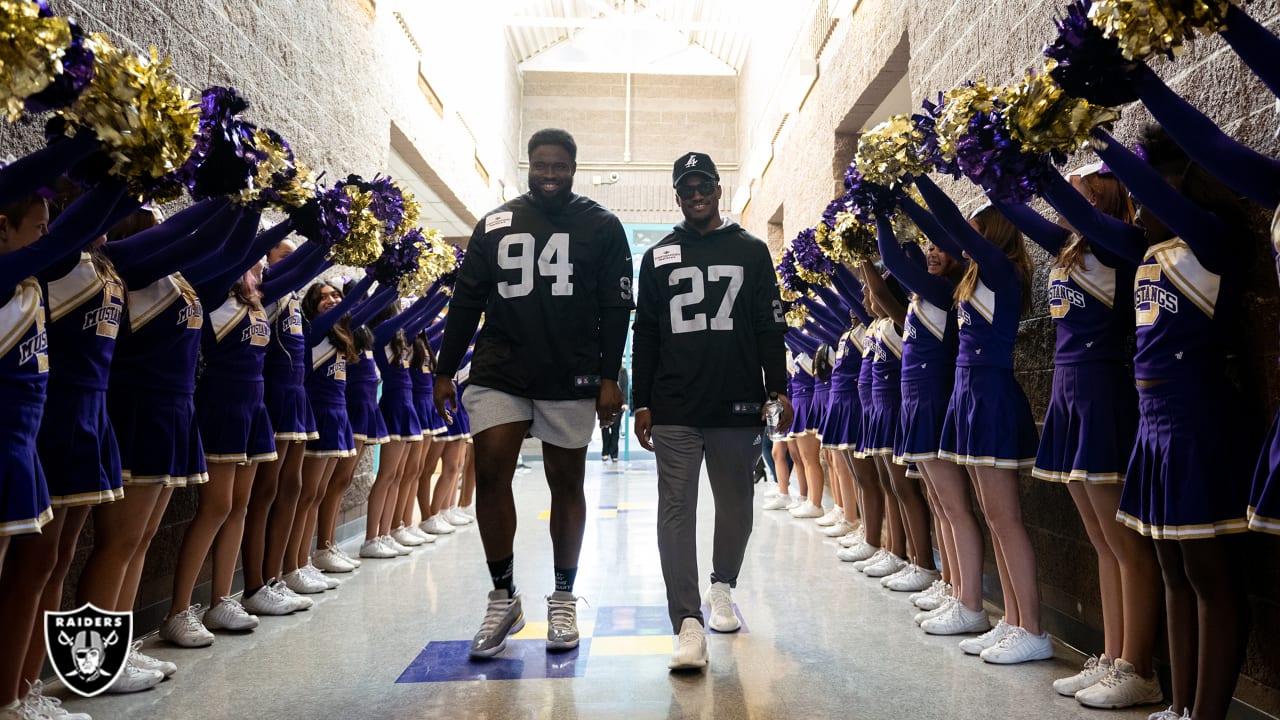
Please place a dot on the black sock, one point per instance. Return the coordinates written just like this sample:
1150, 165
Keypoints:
565, 578
248, 593
503, 574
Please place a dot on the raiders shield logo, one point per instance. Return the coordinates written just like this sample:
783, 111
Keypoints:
88, 647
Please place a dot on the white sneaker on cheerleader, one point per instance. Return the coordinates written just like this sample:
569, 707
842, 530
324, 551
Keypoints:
957, 620
888, 565
1019, 646
331, 562
303, 584
355, 561
942, 608
777, 502
390, 542
315, 574
426, 537
376, 550
229, 615
857, 536
914, 579
454, 516
841, 528
299, 602
858, 553
1095, 668
268, 600
806, 510
877, 554
1122, 687
437, 525
975, 645
143, 661
186, 630
406, 538
834, 515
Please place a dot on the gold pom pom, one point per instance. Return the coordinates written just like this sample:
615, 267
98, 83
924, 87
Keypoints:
275, 174
890, 151
435, 260
1043, 118
363, 244
959, 105
852, 241
145, 120
412, 211
797, 316
31, 49
1147, 27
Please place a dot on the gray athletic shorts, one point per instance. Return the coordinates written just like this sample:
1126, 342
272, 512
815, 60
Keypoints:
563, 423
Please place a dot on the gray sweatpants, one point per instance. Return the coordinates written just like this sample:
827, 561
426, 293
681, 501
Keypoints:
730, 454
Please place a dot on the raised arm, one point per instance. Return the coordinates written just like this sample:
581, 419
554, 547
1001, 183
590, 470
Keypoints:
1127, 243
43, 167
151, 254
245, 247
321, 324
380, 299
1049, 235
1255, 45
1200, 229
908, 264
931, 228
293, 272
997, 270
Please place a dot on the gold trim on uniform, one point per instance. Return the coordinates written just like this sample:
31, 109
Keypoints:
1260, 523
96, 497
224, 319
886, 332
987, 461
1187, 274
24, 309
329, 453
29, 525
1077, 475
1096, 279
932, 317
1184, 532
984, 301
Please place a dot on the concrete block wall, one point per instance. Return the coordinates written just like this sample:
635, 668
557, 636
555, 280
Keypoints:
946, 42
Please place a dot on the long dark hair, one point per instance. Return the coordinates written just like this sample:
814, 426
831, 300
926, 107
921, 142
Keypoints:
398, 344
1108, 195
996, 228
340, 335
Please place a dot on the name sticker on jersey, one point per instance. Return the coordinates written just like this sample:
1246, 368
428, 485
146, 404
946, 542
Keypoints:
586, 380
747, 408
666, 255
497, 221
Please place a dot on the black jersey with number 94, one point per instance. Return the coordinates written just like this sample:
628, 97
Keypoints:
541, 281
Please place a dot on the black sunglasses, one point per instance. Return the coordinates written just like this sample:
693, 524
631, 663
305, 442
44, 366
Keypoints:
705, 188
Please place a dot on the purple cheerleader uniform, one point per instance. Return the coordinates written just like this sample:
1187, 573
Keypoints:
367, 425
326, 386
864, 394
234, 425
821, 397
1093, 409
24, 373
424, 400
843, 424
396, 404
460, 426
150, 396
77, 443
284, 373
802, 396
1264, 498
886, 387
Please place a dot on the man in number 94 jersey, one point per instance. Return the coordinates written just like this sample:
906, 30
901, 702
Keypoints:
551, 271
708, 363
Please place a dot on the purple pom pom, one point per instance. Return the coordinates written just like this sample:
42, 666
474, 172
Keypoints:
989, 156
449, 278
867, 199
225, 158
809, 256
1089, 65
399, 258
927, 124
387, 204
77, 73
786, 270
324, 218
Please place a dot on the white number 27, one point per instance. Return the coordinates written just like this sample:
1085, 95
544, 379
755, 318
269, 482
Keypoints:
723, 319
515, 252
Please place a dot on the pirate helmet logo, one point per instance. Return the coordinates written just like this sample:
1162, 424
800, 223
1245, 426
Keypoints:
88, 647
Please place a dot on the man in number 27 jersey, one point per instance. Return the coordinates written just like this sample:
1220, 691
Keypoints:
551, 271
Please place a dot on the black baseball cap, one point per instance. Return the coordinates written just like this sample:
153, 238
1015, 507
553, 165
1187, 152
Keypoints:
693, 162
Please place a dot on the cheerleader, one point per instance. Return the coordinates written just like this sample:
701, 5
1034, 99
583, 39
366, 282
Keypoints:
392, 355
805, 455
1091, 421
780, 456
29, 246
274, 498
988, 427
845, 512
423, 362
1185, 483
455, 436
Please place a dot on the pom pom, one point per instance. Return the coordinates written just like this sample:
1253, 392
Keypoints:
853, 240
77, 73
436, 259
30, 54
323, 218
926, 124
145, 121
889, 153
1148, 27
797, 315
399, 259
226, 159
363, 242
1044, 119
451, 276
904, 228
395, 207
959, 107
1086, 63
812, 265
867, 198
788, 279
280, 180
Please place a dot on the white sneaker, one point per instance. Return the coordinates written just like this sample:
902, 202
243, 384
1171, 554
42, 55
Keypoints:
1169, 714
375, 549
858, 553
437, 525
314, 573
834, 515
806, 510
38, 706
777, 502
935, 589
426, 537
888, 565
562, 621
691, 647
143, 661
855, 536
268, 601
1019, 646
914, 579
454, 516
330, 561
390, 542
876, 556
1122, 687
795, 502
947, 602
186, 630
355, 561
303, 584
229, 615
720, 600
903, 570
135, 679
406, 538
299, 602
957, 620
1095, 668
975, 645
841, 528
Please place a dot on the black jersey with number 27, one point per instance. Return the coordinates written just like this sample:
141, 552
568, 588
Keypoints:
541, 279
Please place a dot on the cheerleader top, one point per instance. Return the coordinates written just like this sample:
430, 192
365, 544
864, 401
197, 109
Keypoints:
929, 334
24, 343
1184, 297
85, 309
848, 364
865, 371
286, 360
363, 370
330, 372
803, 380
886, 354
235, 341
157, 348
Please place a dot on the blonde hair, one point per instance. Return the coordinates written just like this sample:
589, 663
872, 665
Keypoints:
996, 228
1108, 195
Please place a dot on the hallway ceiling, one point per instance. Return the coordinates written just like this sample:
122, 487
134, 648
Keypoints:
695, 37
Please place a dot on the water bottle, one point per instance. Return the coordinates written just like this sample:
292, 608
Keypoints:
772, 414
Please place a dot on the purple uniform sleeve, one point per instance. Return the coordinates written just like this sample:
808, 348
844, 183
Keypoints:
908, 264
995, 268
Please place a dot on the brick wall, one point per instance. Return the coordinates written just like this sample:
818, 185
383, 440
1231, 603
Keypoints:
944, 42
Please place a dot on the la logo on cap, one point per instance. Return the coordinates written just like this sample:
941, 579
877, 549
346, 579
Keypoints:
692, 161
